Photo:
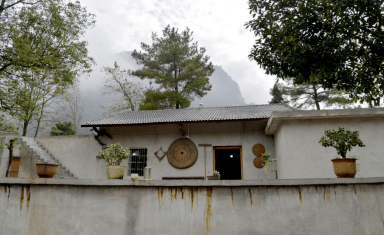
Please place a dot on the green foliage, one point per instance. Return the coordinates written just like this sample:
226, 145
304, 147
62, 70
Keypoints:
63, 128
339, 42
156, 99
177, 65
6, 126
131, 94
41, 53
309, 94
216, 173
114, 154
277, 94
267, 163
342, 140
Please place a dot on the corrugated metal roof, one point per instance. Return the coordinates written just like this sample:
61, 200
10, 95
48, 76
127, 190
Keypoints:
231, 113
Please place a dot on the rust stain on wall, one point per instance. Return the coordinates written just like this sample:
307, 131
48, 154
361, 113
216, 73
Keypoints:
172, 192
334, 191
21, 197
361, 191
233, 202
250, 196
208, 210
192, 196
9, 192
300, 197
354, 187
327, 193
181, 192
277, 192
258, 192
160, 196
28, 192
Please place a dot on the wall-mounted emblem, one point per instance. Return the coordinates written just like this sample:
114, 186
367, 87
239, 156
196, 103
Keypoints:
161, 153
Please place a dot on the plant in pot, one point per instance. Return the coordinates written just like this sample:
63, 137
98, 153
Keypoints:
114, 154
214, 176
45, 170
343, 141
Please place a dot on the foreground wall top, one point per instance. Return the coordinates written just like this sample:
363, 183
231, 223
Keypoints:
277, 117
193, 183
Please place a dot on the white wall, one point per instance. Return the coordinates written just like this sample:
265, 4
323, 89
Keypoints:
300, 155
245, 134
78, 153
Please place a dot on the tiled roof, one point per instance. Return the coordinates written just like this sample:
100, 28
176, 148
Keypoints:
231, 113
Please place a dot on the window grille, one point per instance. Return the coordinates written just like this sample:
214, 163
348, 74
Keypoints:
137, 161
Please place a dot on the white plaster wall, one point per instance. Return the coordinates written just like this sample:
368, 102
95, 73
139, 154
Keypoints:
78, 153
245, 134
300, 155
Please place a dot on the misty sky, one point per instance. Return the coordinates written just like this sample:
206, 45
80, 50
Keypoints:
217, 25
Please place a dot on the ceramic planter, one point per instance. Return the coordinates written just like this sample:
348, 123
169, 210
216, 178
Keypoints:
115, 171
344, 167
44, 170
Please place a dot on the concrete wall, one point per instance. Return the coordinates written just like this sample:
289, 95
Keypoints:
299, 154
117, 207
4, 153
78, 153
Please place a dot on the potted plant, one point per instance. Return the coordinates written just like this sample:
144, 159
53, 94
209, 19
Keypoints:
343, 141
214, 176
267, 164
45, 170
113, 155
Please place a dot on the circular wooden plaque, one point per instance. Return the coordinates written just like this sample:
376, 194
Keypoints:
258, 149
258, 162
182, 153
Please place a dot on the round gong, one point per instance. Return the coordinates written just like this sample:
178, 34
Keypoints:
182, 153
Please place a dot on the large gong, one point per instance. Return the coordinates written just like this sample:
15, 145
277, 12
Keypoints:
182, 153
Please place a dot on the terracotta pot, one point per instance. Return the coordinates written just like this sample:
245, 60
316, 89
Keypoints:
115, 171
213, 177
46, 170
344, 167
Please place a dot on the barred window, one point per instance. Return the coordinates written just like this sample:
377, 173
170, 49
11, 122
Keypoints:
137, 161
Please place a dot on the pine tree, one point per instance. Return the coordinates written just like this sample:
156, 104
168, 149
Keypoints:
177, 65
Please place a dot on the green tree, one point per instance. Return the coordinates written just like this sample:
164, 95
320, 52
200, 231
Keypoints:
130, 94
277, 94
177, 65
339, 42
41, 53
311, 94
63, 128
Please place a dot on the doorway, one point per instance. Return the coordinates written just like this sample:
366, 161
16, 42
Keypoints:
228, 161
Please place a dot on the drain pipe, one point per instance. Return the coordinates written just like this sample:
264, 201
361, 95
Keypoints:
205, 158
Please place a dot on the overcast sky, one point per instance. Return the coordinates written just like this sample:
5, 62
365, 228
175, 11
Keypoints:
217, 25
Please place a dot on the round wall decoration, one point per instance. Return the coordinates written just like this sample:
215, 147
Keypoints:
258, 162
258, 149
182, 153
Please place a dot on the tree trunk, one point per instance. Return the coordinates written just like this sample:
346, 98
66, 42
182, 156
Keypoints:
10, 148
25, 128
316, 97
